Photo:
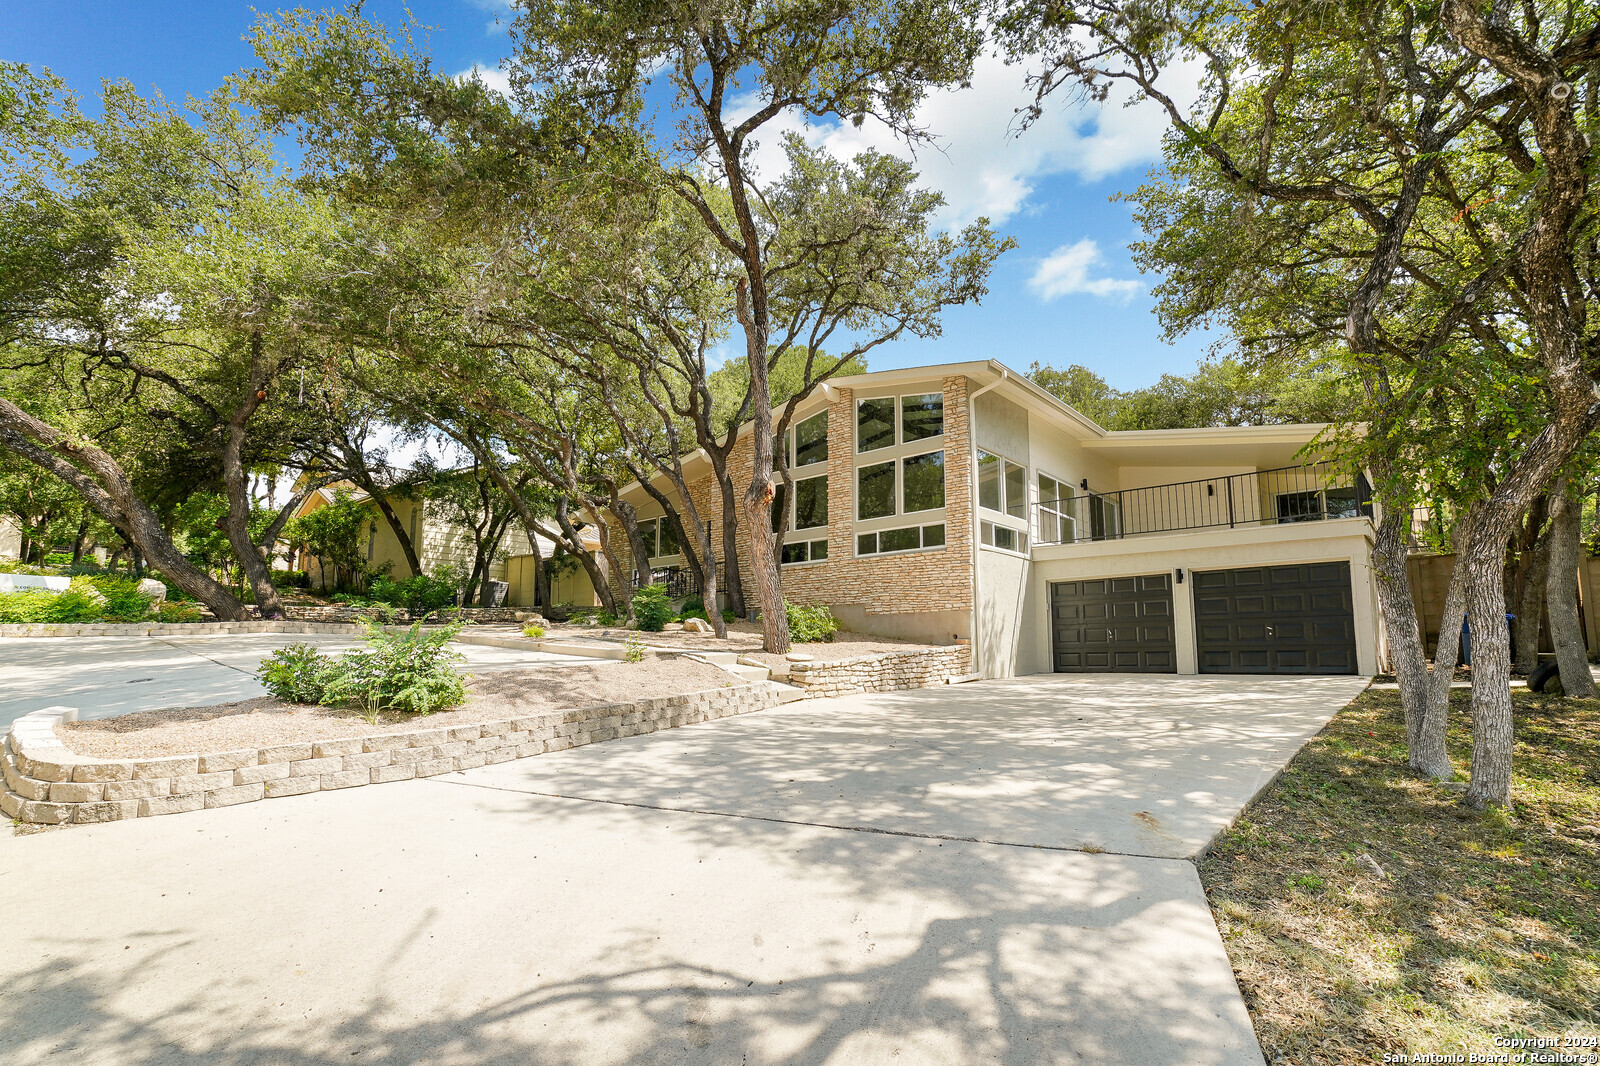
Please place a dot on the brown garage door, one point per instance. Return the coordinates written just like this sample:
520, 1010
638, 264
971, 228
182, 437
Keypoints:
1117, 625
1275, 620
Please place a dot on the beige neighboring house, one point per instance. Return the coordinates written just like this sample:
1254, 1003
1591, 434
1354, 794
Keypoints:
964, 502
440, 541
10, 539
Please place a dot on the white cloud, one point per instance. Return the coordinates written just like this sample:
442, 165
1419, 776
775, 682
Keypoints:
980, 160
1065, 272
492, 78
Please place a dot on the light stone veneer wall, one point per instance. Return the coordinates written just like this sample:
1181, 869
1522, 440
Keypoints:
47, 783
934, 584
892, 672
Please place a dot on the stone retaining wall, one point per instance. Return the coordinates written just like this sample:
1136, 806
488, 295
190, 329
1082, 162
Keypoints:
886, 672
45, 782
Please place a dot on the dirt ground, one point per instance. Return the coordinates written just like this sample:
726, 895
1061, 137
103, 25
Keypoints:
266, 721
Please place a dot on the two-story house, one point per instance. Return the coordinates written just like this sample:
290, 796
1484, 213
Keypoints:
964, 502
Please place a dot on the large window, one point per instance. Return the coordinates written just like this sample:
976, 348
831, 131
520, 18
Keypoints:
1002, 485
910, 538
810, 439
875, 490
660, 538
1317, 504
924, 482
1058, 522
805, 551
884, 421
900, 486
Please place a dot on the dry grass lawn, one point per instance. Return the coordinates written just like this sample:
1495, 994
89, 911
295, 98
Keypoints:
1484, 925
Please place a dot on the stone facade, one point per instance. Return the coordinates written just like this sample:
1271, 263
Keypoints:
921, 582
890, 672
47, 783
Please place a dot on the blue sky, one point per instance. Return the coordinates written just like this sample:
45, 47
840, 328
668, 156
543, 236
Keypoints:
1068, 293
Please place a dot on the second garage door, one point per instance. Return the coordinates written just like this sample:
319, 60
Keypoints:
1116, 624
1275, 620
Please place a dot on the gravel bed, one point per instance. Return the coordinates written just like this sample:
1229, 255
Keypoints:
264, 722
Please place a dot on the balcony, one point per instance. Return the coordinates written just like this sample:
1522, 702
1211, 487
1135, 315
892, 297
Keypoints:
1287, 494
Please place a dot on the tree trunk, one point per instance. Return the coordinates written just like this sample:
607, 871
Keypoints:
585, 557
1564, 557
1533, 564
1424, 735
237, 482
109, 491
1492, 733
79, 541
628, 515
401, 534
730, 538
757, 502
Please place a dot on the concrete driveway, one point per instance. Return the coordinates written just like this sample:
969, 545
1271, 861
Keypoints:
683, 900
108, 676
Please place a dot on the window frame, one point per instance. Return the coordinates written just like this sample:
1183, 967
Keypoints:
921, 528
1065, 518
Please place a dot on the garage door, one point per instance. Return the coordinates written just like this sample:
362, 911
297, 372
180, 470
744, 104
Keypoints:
1117, 624
1275, 620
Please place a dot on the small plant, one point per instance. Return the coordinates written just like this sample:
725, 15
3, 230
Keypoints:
693, 607
296, 674
635, 650
728, 616
810, 624
533, 629
177, 612
651, 608
604, 617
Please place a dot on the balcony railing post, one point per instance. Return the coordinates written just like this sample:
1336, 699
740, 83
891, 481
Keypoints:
1230, 502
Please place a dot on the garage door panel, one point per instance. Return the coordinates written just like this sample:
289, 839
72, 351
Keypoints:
1291, 619
1114, 624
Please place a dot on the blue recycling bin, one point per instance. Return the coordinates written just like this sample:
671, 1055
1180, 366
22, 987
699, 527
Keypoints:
1466, 637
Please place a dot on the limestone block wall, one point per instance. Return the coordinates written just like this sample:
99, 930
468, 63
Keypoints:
890, 672
47, 783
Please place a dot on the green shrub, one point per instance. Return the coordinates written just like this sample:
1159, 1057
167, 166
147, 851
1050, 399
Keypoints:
810, 624
296, 674
651, 609
123, 600
411, 672
635, 650
177, 612
425, 592
693, 607
58, 559
290, 579
604, 617
533, 629
728, 616
36, 606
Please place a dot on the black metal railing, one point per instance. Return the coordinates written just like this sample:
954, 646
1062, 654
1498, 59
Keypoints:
1263, 497
681, 581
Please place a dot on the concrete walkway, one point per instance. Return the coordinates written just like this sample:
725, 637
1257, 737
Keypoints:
481, 919
108, 676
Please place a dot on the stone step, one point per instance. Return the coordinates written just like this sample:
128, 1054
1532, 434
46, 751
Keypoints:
788, 693
750, 673
723, 659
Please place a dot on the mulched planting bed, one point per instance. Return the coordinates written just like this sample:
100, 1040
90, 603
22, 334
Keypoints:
265, 722
1484, 925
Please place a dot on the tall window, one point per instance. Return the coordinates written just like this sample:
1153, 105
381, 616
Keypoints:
660, 539
1058, 523
1002, 485
810, 441
884, 421
900, 486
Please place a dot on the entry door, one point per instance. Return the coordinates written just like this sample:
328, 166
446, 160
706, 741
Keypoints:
1117, 625
1296, 619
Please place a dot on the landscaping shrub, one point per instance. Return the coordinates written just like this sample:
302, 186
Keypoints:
296, 674
411, 672
41, 606
533, 629
123, 600
177, 612
420, 594
604, 617
290, 579
693, 607
651, 609
809, 624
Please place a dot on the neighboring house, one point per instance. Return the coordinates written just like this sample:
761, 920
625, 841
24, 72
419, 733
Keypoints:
10, 539
438, 540
964, 502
